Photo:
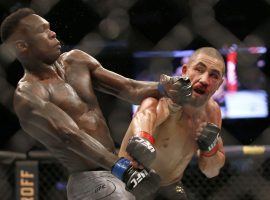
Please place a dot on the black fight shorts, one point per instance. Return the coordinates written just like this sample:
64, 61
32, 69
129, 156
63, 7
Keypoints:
93, 185
174, 191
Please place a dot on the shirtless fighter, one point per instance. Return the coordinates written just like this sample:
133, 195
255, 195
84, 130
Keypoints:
56, 104
165, 136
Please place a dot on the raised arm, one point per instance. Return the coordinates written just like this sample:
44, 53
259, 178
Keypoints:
139, 141
125, 88
211, 150
35, 112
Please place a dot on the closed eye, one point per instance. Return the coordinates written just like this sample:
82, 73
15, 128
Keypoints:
43, 27
199, 69
215, 74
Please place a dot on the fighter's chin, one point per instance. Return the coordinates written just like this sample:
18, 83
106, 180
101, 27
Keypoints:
197, 104
198, 100
53, 58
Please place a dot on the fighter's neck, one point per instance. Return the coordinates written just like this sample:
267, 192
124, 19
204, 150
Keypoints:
41, 70
192, 110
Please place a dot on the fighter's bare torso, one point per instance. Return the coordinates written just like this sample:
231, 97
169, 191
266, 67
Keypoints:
72, 91
174, 139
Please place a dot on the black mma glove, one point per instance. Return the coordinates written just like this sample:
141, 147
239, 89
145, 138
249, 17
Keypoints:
177, 88
208, 140
140, 182
140, 147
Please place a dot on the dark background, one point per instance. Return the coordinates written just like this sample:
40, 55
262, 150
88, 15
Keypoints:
112, 31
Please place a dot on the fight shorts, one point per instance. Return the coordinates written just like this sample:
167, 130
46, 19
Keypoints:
174, 191
93, 185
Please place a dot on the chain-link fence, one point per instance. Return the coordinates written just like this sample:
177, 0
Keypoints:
110, 28
245, 176
7, 181
52, 180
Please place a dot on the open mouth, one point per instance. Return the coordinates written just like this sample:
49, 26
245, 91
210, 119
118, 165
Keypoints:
200, 91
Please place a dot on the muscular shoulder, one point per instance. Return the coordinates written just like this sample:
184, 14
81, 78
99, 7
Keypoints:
27, 92
157, 107
214, 112
148, 103
77, 57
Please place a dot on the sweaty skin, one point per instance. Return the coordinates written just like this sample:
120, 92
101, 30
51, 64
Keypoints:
176, 128
55, 100
49, 108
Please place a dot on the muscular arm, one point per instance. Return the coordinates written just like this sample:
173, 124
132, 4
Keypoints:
211, 166
144, 120
37, 113
109, 82
124, 88
150, 114
146, 116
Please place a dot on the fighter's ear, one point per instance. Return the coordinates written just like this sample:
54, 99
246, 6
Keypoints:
184, 69
221, 81
21, 46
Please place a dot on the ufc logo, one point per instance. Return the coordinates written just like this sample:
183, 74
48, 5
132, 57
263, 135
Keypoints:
146, 143
99, 187
139, 177
213, 144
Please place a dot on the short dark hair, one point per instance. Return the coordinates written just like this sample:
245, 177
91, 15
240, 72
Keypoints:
210, 51
11, 22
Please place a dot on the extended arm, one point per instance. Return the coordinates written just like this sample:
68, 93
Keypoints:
145, 118
139, 140
125, 88
151, 113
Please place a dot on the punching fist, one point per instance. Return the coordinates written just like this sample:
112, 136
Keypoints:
140, 182
177, 88
208, 139
140, 147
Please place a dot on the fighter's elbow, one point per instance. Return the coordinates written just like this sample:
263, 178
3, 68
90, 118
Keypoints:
68, 138
210, 170
211, 173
